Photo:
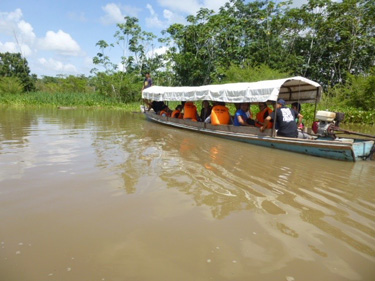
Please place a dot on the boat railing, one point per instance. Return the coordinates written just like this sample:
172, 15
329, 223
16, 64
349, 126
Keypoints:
207, 126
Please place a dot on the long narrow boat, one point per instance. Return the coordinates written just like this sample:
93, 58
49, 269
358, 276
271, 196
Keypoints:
294, 89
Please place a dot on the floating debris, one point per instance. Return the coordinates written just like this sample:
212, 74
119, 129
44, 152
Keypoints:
209, 260
18, 252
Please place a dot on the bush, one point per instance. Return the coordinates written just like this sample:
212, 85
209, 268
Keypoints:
250, 74
358, 92
10, 85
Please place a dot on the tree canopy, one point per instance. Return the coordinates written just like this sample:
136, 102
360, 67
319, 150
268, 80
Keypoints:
13, 65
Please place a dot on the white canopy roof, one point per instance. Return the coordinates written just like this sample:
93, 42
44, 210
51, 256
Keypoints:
294, 89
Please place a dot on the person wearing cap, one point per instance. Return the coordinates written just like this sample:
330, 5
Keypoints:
285, 120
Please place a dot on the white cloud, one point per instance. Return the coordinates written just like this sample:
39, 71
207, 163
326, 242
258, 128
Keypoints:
173, 17
214, 4
159, 51
26, 31
9, 47
186, 6
191, 6
112, 15
60, 42
17, 33
12, 47
12, 25
169, 17
153, 21
115, 13
12, 16
57, 66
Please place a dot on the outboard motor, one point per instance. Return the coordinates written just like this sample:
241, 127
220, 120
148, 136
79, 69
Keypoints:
327, 122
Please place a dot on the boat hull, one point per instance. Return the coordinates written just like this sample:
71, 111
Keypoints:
346, 149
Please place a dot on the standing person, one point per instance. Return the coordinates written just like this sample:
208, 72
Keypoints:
285, 120
147, 82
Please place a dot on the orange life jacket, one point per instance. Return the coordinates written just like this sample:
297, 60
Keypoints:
177, 114
165, 112
220, 115
190, 111
260, 117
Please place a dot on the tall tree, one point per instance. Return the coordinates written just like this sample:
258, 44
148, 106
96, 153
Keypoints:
13, 65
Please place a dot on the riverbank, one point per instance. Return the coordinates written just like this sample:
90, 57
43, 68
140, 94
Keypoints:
67, 100
96, 100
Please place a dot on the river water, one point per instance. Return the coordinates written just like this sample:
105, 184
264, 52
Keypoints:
107, 195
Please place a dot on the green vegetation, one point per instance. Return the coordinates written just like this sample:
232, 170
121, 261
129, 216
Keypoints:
331, 42
66, 100
10, 85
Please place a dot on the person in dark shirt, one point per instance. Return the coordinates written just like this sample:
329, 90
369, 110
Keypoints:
147, 82
157, 106
285, 120
205, 111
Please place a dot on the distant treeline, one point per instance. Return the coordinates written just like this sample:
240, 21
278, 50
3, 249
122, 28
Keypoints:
326, 41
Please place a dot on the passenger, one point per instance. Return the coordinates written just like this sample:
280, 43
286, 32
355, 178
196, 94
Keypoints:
157, 106
264, 111
206, 110
301, 134
285, 120
166, 112
297, 107
240, 117
249, 114
177, 112
190, 111
220, 114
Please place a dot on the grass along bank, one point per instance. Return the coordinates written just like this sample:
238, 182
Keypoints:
66, 100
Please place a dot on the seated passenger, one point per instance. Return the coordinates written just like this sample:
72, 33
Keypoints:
285, 120
157, 106
177, 112
206, 110
297, 107
301, 134
165, 112
241, 118
264, 111
190, 111
220, 114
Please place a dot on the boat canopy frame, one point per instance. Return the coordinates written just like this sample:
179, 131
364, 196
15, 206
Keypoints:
293, 89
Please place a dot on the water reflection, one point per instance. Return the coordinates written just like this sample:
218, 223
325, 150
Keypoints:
265, 209
334, 197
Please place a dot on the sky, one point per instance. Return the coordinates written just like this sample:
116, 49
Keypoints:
58, 37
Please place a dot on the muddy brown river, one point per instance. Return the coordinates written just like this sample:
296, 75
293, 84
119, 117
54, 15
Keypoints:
106, 195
